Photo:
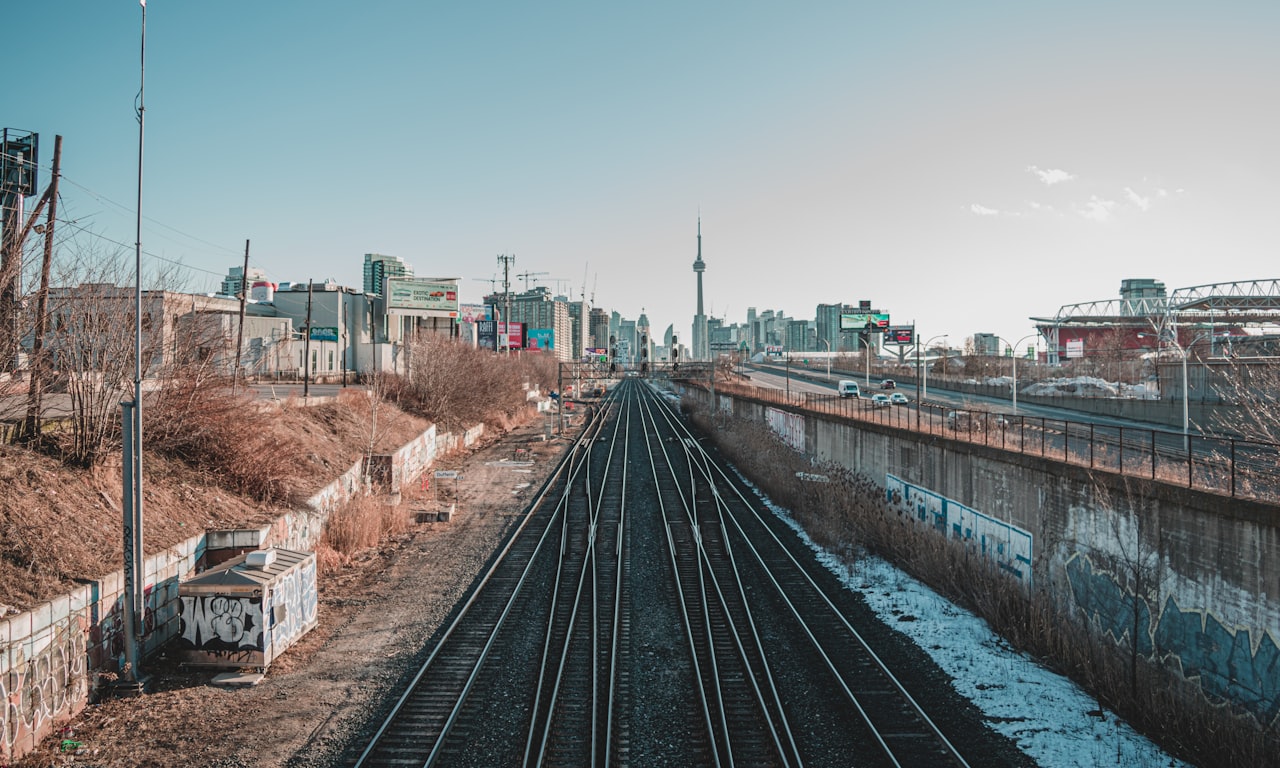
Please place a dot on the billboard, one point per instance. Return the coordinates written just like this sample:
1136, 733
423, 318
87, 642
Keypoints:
471, 313
900, 334
422, 298
542, 338
488, 335
773, 351
1075, 348
858, 322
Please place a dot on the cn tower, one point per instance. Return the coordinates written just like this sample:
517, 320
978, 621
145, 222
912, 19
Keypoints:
701, 349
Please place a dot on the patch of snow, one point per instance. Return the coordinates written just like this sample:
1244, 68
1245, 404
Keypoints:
1047, 715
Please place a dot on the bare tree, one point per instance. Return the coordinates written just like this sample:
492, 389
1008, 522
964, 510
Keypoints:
1250, 393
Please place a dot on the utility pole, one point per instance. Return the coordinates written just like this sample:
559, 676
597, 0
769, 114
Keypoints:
306, 346
244, 295
32, 428
506, 261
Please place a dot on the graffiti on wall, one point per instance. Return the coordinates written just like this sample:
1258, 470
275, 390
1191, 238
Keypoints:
293, 601
1006, 544
789, 426
219, 623
1238, 664
52, 683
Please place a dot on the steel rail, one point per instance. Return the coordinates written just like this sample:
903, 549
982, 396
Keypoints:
843, 684
750, 654
584, 585
564, 471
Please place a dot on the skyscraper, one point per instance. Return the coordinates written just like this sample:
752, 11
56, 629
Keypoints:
377, 266
701, 349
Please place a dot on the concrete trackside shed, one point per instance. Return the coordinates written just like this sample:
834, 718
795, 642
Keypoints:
248, 610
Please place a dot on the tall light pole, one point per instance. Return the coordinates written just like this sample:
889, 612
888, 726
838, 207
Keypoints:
828, 343
867, 344
1186, 393
1186, 390
924, 379
1014, 349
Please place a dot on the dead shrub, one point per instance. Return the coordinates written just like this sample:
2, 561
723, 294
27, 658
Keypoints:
457, 386
361, 523
197, 419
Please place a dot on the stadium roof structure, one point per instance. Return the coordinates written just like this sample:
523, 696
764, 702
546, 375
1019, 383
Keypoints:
1240, 302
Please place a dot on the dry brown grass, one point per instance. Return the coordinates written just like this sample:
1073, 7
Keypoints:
850, 516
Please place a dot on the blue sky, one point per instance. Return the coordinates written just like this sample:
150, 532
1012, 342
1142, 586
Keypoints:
961, 165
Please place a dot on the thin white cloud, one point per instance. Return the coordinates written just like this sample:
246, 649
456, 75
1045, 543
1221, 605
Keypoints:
1039, 207
1097, 209
982, 210
1142, 202
1051, 176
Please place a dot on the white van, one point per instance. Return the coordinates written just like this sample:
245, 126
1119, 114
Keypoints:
847, 388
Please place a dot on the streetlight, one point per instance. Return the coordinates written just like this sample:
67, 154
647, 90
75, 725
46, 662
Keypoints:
1186, 393
924, 379
1014, 349
867, 342
828, 343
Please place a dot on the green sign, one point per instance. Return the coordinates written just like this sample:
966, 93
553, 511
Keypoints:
324, 333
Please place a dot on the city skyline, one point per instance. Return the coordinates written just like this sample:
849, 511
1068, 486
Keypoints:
965, 168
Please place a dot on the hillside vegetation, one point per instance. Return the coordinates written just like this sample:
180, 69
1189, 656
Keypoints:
217, 458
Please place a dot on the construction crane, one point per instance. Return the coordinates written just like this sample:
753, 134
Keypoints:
492, 281
527, 275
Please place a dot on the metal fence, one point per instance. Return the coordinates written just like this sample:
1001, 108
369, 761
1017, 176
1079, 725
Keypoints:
1232, 467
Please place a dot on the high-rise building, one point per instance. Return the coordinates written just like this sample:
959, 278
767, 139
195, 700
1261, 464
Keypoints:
579, 319
231, 283
378, 266
701, 348
600, 328
538, 310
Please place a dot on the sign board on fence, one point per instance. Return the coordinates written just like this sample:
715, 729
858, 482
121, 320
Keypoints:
447, 474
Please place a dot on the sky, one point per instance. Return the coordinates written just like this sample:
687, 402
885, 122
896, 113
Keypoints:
963, 166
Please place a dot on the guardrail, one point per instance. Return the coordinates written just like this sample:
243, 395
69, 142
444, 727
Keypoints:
1232, 467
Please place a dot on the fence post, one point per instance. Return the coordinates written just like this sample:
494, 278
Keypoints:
1153, 454
1190, 465
1092, 437
1233, 467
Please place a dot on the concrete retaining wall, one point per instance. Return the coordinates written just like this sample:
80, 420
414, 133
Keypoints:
53, 657
1202, 572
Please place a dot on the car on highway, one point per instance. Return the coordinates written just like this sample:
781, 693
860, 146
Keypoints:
887, 384
880, 401
848, 388
897, 398
959, 420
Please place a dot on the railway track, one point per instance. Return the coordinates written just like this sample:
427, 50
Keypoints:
648, 610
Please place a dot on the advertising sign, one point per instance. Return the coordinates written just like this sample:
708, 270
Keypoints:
858, 322
471, 313
422, 298
542, 338
900, 334
487, 335
773, 351
324, 333
1075, 348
